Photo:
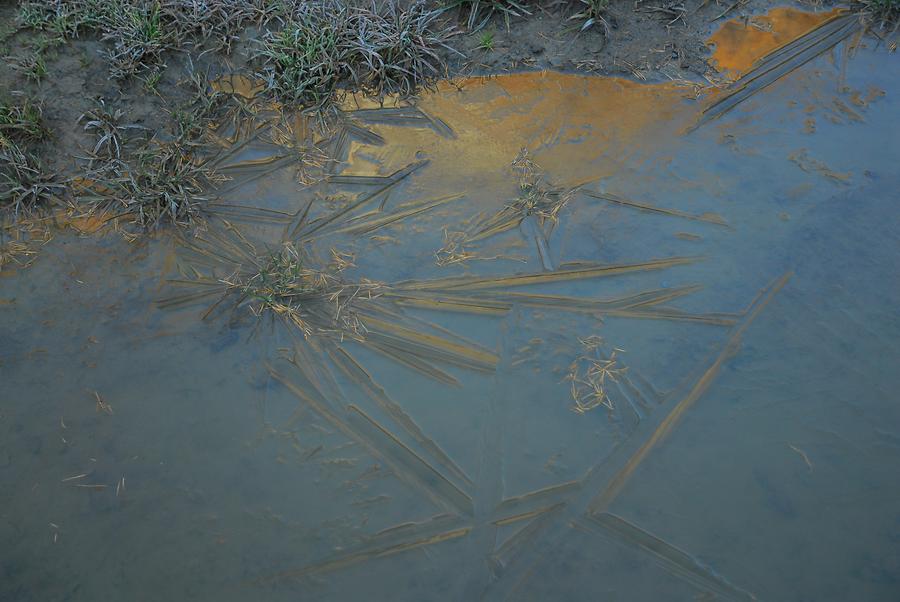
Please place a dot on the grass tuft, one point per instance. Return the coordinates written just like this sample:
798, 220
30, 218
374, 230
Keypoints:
378, 49
285, 284
161, 183
486, 41
24, 182
22, 121
592, 13
33, 66
139, 32
884, 12
479, 12
107, 127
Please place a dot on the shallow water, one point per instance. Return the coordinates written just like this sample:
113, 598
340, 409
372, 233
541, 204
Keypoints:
750, 448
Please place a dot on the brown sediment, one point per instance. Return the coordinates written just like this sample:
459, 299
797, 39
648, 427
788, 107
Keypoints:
739, 43
500, 115
802, 159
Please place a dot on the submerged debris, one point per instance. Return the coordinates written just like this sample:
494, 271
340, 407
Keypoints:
536, 205
590, 375
287, 283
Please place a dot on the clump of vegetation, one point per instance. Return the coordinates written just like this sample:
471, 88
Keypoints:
592, 13
378, 48
536, 196
108, 129
537, 201
22, 121
480, 12
140, 31
7, 30
138, 36
161, 183
591, 374
285, 283
154, 179
486, 41
32, 66
884, 12
24, 182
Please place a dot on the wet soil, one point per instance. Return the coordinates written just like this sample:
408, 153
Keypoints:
650, 40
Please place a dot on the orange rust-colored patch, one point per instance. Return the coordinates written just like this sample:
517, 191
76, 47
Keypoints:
87, 224
579, 128
740, 43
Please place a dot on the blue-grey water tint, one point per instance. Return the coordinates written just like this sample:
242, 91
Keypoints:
778, 481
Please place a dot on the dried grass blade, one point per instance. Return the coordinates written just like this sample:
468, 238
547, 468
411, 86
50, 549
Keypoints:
396, 178
352, 368
664, 313
710, 218
375, 224
186, 299
441, 488
526, 503
411, 360
364, 135
420, 535
511, 548
565, 273
406, 464
667, 556
263, 173
603, 499
452, 303
466, 355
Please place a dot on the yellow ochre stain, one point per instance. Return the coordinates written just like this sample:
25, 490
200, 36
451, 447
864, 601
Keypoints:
741, 42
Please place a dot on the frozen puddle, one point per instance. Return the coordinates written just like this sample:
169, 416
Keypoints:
539, 336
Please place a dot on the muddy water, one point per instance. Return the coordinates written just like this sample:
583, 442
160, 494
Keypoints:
746, 445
